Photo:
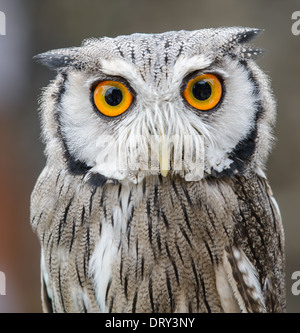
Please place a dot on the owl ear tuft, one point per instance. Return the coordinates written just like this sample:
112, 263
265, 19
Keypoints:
247, 35
58, 59
237, 45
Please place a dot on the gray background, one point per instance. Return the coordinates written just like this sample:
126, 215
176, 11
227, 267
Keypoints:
34, 26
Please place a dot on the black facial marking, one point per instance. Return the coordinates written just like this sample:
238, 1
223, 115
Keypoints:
61, 89
256, 89
244, 150
240, 156
97, 179
75, 167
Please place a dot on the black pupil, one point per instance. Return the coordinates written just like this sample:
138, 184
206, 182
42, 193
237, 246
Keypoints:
113, 96
201, 90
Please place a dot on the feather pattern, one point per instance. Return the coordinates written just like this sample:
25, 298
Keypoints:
152, 244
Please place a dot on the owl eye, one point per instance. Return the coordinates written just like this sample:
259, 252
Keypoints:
203, 92
112, 98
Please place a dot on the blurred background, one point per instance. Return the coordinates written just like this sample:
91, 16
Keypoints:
34, 26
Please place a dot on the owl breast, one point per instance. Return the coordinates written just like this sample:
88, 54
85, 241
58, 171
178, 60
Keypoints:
156, 246
156, 250
145, 247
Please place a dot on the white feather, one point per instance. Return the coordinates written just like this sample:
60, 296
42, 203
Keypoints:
106, 253
101, 263
185, 65
227, 299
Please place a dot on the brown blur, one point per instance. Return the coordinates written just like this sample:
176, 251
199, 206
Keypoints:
34, 26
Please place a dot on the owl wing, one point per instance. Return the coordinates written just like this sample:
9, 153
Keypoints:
256, 290
248, 293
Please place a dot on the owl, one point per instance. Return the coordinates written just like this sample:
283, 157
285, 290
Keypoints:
154, 196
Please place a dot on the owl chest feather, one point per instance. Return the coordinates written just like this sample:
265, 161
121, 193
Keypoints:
159, 245
151, 247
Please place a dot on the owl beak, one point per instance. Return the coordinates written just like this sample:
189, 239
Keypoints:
163, 156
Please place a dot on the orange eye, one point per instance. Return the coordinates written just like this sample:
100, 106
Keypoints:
203, 92
112, 98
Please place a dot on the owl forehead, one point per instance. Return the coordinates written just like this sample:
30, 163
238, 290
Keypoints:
155, 51
154, 56
166, 47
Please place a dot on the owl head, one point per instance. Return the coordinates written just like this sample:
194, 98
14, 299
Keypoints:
187, 103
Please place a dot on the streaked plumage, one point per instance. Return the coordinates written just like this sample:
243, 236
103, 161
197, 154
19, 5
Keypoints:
206, 238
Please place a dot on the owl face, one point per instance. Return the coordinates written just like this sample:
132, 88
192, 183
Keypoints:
183, 103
